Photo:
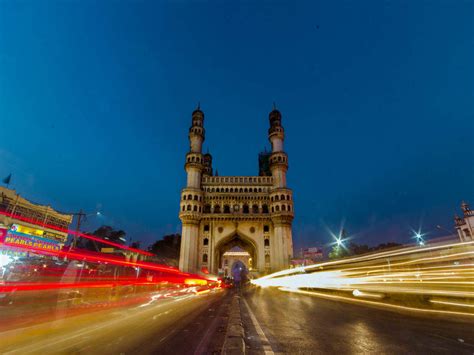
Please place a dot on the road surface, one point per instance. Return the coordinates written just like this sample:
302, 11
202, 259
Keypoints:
274, 322
184, 324
302, 324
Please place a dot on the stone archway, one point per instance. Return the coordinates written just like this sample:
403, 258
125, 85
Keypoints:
234, 241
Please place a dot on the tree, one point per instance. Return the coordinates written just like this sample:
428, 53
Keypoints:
357, 249
337, 252
168, 247
103, 232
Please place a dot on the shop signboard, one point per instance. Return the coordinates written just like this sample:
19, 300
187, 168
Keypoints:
22, 240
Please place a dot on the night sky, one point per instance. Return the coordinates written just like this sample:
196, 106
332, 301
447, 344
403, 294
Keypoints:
377, 99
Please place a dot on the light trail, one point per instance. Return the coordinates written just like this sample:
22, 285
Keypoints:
378, 304
417, 273
73, 232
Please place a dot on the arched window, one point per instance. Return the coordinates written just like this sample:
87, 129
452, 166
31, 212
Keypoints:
241, 190
226, 209
246, 190
266, 228
212, 190
266, 242
188, 208
231, 190
193, 159
183, 208
195, 197
273, 209
283, 207
204, 258
289, 208
255, 209
190, 197
195, 208
205, 241
277, 198
245, 209
217, 209
259, 189
226, 190
217, 190
288, 197
282, 197
207, 208
277, 208
184, 197
264, 209
199, 208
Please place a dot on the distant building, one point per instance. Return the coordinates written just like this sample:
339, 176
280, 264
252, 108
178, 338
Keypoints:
231, 257
308, 256
465, 224
25, 224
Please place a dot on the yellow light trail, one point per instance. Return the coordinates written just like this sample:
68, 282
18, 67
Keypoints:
438, 270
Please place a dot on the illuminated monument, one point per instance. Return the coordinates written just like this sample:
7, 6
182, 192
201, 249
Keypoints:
236, 214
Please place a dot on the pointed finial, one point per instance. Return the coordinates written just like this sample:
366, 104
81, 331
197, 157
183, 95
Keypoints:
199, 105
274, 105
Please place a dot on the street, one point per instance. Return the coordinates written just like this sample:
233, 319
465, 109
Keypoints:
303, 324
273, 322
178, 325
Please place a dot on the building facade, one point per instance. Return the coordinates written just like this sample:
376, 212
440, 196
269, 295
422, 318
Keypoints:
218, 213
27, 224
465, 224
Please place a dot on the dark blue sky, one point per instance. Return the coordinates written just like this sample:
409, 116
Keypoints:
377, 100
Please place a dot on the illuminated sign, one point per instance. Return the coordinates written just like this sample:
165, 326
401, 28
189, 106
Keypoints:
18, 228
21, 240
54, 236
26, 230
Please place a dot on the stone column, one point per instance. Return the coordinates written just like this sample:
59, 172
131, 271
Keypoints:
188, 257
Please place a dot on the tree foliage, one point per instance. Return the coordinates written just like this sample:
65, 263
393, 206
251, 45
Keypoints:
168, 247
357, 249
103, 232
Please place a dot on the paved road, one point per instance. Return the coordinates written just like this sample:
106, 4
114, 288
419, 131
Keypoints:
186, 324
302, 324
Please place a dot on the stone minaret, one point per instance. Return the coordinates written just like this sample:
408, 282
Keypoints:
281, 197
191, 206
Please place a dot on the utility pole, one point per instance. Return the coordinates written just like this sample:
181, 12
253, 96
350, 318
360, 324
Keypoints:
79, 215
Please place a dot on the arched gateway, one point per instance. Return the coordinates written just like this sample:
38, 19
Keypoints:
237, 218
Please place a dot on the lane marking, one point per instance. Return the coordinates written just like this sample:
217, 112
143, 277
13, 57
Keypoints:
267, 348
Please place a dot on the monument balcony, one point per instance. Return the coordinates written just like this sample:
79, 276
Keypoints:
238, 180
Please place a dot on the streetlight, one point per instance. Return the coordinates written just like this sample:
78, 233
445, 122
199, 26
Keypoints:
419, 238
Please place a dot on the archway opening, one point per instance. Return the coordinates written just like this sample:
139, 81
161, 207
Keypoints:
235, 250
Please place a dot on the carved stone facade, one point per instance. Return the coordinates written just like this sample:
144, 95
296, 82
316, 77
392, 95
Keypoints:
465, 224
219, 213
